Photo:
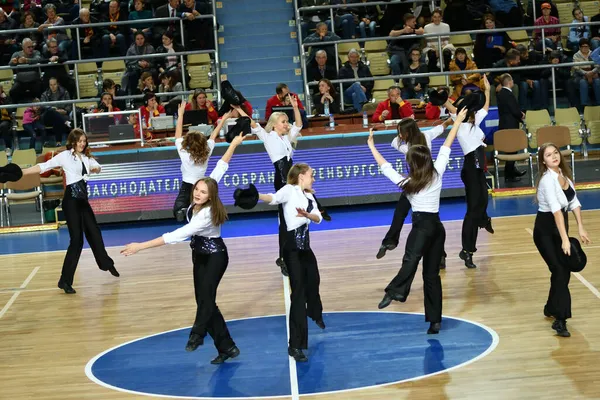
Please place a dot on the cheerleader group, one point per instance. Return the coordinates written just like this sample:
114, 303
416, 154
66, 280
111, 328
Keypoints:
198, 202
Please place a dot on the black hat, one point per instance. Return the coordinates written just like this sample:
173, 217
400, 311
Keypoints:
577, 260
230, 95
473, 102
438, 98
242, 126
246, 198
10, 173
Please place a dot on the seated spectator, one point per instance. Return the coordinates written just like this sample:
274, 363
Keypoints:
32, 124
68, 8
562, 78
6, 132
198, 31
58, 117
432, 51
146, 83
319, 70
53, 20
151, 109
357, 92
464, 83
28, 22
532, 88
490, 47
168, 46
551, 35
538, 11
399, 48
367, 17
596, 28
586, 76
343, 20
281, 92
415, 88
507, 12
34, 7
109, 86
91, 39
116, 35
136, 67
326, 96
55, 59
170, 82
8, 41
393, 108
318, 42
581, 31
200, 102
140, 12
106, 104
512, 59
28, 83
165, 11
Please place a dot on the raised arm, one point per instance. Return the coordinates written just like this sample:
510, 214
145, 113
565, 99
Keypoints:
241, 111
219, 126
231, 149
452, 135
376, 154
297, 116
180, 113
280, 197
486, 84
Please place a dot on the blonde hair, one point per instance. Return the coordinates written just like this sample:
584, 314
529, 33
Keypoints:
273, 120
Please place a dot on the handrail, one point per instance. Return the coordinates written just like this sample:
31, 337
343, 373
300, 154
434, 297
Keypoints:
358, 5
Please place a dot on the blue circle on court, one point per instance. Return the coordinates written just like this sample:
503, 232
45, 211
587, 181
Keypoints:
356, 350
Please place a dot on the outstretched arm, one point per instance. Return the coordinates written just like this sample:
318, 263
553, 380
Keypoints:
133, 248
241, 111
32, 170
452, 135
219, 126
486, 83
378, 157
297, 116
179, 127
231, 149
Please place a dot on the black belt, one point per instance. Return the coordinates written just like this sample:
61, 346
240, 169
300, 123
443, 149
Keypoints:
476, 157
298, 239
205, 245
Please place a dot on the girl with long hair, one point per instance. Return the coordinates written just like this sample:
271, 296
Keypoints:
77, 163
327, 94
299, 210
194, 151
201, 102
209, 254
470, 136
422, 187
409, 135
555, 196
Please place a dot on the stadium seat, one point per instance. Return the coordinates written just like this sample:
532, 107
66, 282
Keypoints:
561, 137
570, 118
591, 115
535, 120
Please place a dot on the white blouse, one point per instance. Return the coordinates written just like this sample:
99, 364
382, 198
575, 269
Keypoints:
470, 136
71, 165
292, 197
550, 195
429, 134
428, 199
190, 171
278, 146
201, 223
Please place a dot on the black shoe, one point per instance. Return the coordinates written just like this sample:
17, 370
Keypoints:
66, 287
547, 312
467, 258
386, 301
512, 179
443, 262
320, 323
434, 328
297, 354
180, 215
560, 326
488, 226
281, 264
113, 271
194, 342
233, 352
383, 248
325, 215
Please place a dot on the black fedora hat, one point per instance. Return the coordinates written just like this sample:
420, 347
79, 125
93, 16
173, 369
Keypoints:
578, 259
473, 102
242, 126
438, 98
230, 95
246, 198
10, 173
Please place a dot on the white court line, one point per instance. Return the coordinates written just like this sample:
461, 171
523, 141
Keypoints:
15, 295
293, 373
578, 275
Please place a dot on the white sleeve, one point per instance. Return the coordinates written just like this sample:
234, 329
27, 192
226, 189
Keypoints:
55, 162
211, 146
94, 163
434, 132
391, 173
282, 195
480, 116
573, 204
220, 170
179, 145
315, 210
441, 162
260, 132
402, 148
548, 190
199, 222
294, 132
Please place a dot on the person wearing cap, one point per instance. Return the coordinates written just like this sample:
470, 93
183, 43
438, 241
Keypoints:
393, 108
551, 35
555, 195
209, 255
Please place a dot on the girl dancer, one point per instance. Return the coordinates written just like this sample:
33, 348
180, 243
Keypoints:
470, 137
409, 135
422, 187
194, 151
299, 210
556, 194
76, 161
209, 255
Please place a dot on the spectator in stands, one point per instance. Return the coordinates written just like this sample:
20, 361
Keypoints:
538, 11
32, 124
106, 104
28, 83
551, 35
399, 48
358, 92
415, 88
145, 85
393, 108
310, 19
596, 28
318, 40
109, 86
327, 94
562, 78
91, 40
343, 20
136, 67
281, 92
151, 108
586, 76
170, 82
319, 70
8, 42
168, 46
432, 51
5, 122
580, 32
531, 86
198, 31
390, 16
32, 6
53, 20
367, 17
58, 117
28, 22
512, 59
140, 12
166, 11
55, 59
68, 8
507, 12
464, 83
201, 102
116, 35
490, 47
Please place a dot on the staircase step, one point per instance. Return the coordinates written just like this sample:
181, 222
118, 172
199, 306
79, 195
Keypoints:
264, 76
258, 65
253, 15
252, 39
271, 28
259, 51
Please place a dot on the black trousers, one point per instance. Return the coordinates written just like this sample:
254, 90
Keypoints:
549, 244
53, 118
81, 220
476, 217
425, 240
208, 271
305, 299
184, 197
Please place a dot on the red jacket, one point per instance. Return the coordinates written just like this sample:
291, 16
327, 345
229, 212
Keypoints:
275, 102
146, 114
406, 110
213, 115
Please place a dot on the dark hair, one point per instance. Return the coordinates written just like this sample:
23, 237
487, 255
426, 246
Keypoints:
148, 96
542, 167
422, 170
576, 9
74, 137
438, 11
461, 50
107, 84
280, 87
584, 42
409, 132
407, 17
555, 54
512, 54
332, 91
218, 213
196, 145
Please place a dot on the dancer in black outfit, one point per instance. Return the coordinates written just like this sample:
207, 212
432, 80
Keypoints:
209, 255
556, 195
77, 162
